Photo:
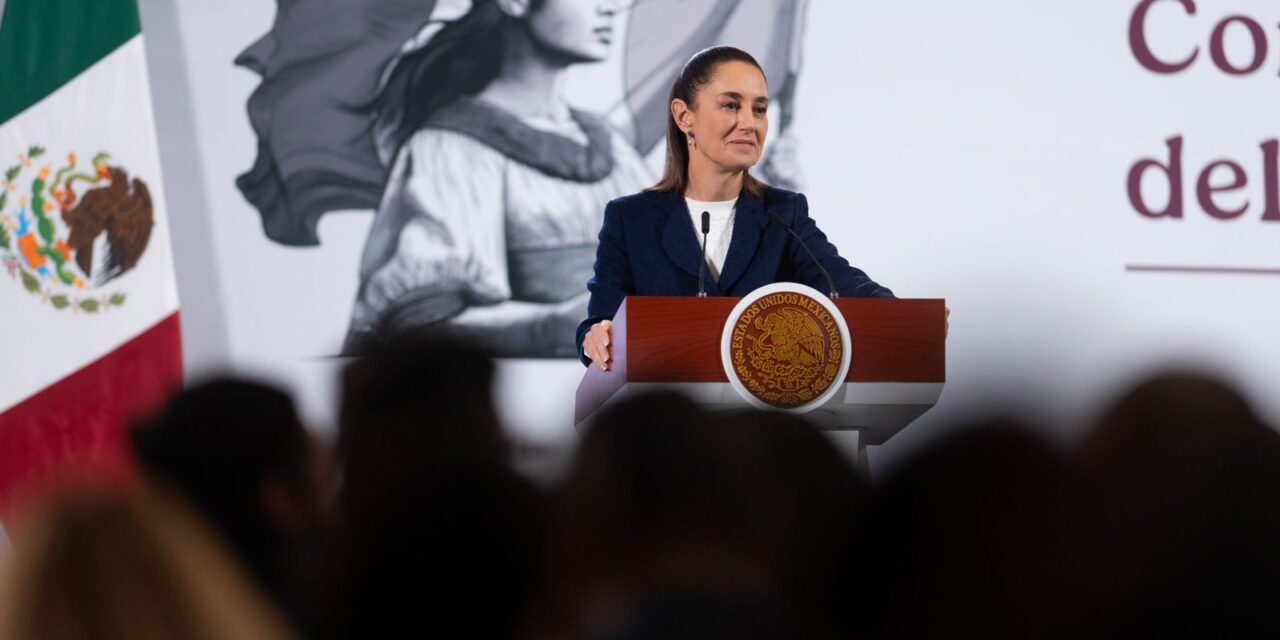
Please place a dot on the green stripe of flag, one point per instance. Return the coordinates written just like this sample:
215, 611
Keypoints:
46, 43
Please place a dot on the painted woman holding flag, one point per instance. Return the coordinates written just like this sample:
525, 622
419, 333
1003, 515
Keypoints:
487, 225
494, 186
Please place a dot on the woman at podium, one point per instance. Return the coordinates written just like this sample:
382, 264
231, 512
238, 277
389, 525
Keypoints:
651, 243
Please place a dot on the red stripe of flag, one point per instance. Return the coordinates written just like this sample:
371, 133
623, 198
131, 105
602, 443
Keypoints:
75, 430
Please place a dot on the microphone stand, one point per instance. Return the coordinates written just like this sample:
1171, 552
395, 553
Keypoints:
702, 267
783, 223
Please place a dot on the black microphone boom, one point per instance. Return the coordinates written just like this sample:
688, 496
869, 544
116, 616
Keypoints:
706, 228
783, 223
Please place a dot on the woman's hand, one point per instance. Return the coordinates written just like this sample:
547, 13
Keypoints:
598, 345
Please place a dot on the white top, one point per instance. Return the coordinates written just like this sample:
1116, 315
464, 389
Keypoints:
463, 206
721, 230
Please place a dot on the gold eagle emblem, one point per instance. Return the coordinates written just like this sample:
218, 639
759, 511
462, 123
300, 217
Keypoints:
786, 349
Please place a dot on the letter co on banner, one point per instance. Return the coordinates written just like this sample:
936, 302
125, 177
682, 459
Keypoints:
1218, 177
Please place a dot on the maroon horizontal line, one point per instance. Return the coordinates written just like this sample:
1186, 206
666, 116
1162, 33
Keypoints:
1244, 271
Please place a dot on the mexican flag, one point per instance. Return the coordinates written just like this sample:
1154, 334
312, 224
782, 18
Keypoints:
89, 332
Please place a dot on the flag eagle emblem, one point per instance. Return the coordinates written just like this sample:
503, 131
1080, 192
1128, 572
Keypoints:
69, 229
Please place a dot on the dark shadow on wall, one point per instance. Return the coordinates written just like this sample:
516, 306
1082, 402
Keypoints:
205, 340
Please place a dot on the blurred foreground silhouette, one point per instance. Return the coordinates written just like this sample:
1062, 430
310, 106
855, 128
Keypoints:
671, 521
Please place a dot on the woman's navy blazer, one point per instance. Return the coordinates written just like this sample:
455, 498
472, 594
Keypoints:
648, 247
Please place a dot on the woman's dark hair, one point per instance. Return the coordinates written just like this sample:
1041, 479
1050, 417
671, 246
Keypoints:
697, 73
461, 60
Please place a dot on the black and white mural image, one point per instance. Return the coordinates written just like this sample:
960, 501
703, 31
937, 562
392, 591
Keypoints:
449, 120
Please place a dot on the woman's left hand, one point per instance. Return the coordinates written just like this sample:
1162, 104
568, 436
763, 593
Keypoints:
598, 345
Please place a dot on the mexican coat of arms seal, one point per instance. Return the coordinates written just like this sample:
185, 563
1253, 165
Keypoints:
786, 346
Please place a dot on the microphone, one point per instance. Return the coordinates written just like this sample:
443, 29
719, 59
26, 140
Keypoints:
783, 223
702, 267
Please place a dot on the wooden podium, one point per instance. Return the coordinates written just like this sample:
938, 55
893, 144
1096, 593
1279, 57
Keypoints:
897, 372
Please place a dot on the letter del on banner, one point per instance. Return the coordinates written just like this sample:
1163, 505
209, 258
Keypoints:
786, 346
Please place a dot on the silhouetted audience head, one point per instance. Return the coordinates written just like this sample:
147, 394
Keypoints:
823, 499
411, 401
108, 567
971, 536
670, 517
237, 451
438, 535
1180, 484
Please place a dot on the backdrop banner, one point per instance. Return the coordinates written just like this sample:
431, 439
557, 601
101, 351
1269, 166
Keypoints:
1067, 176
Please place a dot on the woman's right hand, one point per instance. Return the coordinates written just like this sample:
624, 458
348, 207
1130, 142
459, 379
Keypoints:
598, 345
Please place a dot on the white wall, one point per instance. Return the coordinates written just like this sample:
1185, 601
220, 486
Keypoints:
972, 151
